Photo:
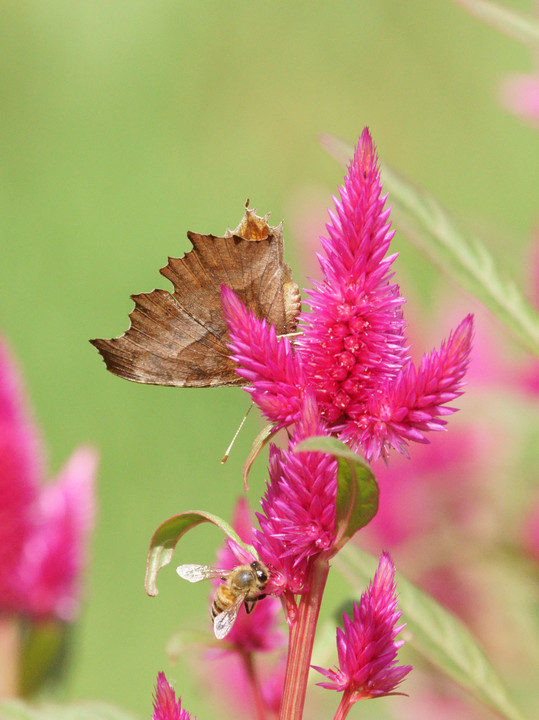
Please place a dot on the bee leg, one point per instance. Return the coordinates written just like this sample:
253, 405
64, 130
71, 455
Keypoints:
250, 604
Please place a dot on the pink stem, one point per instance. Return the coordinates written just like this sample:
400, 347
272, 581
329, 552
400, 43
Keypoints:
10, 652
345, 705
250, 669
301, 643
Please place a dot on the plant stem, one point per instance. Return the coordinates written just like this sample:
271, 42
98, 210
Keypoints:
10, 652
344, 705
250, 669
301, 643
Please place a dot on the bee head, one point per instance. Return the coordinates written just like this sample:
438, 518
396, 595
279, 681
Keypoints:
261, 574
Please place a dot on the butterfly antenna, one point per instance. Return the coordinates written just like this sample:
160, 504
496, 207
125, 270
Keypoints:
242, 423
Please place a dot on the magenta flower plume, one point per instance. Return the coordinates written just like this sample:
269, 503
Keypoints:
20, 464
44, 527
56, 553
298, 518
366, 645
265, 360
353, 352
165, 706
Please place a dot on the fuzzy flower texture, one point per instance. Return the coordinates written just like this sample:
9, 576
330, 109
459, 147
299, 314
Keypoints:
352, 353
366, 645
165, 706
44, 527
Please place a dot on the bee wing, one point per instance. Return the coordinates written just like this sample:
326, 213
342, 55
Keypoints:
223, 623
196, 573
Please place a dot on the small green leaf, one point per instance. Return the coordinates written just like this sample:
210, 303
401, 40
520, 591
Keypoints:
85, 710
436, 633
263, 437
45, 653
357, 489
463, 258
167, 535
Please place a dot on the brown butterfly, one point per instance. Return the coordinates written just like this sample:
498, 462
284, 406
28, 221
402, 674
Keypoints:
179, 339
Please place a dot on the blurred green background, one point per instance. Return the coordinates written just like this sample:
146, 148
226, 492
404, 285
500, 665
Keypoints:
124, 124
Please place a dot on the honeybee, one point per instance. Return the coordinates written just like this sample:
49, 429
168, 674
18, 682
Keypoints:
243, 584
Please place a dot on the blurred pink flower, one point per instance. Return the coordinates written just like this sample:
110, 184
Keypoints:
352, 352
43, 527
165, 706
54, 555
520, 95
232, 685
366, 645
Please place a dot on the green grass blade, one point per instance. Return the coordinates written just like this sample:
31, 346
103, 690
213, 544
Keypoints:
20, 710
508, 21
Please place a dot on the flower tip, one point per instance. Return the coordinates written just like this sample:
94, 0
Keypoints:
229, 299
234, 310
165, 706
365, 155
462, 337
368, 669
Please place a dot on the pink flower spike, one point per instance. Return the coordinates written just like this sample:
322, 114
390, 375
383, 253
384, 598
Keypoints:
20, 469
354, 335
165, 706
265, 360
43, 528
298, 519
520, 95
366, 645
352, 353
415, 402
56, 550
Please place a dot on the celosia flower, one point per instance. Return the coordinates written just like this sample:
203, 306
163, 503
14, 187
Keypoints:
55, 551
165, 706
20, 456
366, 645
298, 519
43, 527
352, 352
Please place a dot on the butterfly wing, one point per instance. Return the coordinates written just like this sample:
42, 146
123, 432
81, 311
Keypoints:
179, 339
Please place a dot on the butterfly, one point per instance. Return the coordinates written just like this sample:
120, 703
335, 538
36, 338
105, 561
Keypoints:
180, 338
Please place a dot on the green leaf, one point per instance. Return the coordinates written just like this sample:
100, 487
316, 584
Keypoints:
436, 634
508, 21
20, 710
463, 258
167, 535
357, 489
263, 437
